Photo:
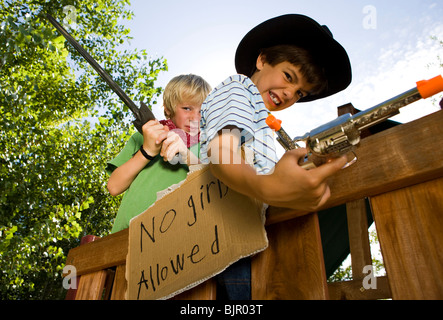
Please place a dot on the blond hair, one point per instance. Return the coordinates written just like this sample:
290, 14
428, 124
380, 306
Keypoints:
189, 88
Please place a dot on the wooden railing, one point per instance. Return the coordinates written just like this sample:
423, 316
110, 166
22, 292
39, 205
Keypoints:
400, 170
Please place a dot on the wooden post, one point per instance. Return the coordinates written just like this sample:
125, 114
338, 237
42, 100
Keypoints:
72, 293
119, 287
409, 223
204, 291
91, 286
292, 267
358, 237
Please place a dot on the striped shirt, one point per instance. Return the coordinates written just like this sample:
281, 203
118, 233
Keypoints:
237, 102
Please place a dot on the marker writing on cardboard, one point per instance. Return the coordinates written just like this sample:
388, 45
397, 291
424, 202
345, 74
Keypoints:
169, 216
159, 273
191, 204
155, 274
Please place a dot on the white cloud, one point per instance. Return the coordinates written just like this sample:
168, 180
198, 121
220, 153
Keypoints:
395, 70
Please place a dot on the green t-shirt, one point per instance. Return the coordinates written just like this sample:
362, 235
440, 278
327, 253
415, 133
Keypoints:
142, 193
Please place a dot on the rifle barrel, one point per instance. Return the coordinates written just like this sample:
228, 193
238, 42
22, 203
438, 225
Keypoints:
105, 76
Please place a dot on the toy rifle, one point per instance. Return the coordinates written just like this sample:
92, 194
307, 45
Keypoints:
142, 114
342, 135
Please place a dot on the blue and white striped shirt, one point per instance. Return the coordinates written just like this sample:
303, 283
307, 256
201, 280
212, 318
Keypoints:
237, 102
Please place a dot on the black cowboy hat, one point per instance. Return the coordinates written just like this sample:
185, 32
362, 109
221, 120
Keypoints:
301, 31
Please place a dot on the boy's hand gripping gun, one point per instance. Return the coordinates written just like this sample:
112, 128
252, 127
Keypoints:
342, 135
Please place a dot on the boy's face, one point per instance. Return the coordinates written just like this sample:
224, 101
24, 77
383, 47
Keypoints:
281, 85
187, 117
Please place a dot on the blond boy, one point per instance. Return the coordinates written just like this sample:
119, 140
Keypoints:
142, 168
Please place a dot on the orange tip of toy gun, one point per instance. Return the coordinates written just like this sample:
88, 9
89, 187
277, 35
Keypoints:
273, 122
428, 88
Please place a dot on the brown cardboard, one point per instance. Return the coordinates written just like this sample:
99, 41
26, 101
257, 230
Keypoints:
189, 235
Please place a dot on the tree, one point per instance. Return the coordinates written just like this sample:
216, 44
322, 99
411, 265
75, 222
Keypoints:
52, 173
344, 271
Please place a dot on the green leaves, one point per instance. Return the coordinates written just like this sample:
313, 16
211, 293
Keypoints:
59, 124
6, 235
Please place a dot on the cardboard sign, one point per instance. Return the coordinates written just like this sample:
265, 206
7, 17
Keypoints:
190, 235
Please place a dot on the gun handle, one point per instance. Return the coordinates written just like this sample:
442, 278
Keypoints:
312, 161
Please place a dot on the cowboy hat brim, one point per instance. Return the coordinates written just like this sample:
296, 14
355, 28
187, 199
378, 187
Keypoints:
301, 31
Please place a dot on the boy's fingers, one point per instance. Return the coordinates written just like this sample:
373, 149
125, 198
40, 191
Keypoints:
156, 125
151, 123
170, 147
170, 137
167, 144
162, 136
328, 169
325, 197
171, 153
325, 170
298, 153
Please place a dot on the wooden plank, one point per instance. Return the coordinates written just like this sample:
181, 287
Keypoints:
119, 287
103, 253
110, 276
358, 237
91, 286
204, 291
292, 267
70, 295
401, 156
409, 224
354, 290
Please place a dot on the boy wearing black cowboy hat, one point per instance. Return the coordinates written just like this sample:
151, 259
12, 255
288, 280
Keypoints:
287, 59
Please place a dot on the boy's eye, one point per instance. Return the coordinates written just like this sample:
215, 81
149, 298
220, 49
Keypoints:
300, 94
288, 76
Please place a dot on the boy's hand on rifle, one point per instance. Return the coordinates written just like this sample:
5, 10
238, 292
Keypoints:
297, 188
154, 133
121, 178
172, 146
175, 151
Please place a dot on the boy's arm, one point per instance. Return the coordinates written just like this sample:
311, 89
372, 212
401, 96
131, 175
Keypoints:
288, 185
121, 178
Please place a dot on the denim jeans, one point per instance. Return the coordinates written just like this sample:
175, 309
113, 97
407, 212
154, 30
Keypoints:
235, 282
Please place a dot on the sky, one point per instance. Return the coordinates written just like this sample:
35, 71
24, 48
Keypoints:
388, 42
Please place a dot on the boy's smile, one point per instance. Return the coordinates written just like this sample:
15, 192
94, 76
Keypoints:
281, 85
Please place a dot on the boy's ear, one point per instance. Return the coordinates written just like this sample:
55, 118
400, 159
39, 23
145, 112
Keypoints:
167, 113
261, 59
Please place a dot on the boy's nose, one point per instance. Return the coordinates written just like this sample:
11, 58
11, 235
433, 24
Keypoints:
291, 93
196, 116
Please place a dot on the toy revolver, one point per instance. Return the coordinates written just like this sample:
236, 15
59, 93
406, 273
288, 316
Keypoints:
342, 135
